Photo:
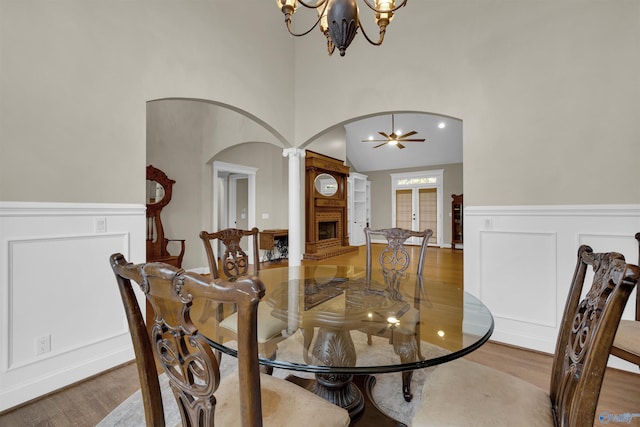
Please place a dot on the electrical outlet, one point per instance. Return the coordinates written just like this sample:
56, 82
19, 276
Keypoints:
488, 223
43, 344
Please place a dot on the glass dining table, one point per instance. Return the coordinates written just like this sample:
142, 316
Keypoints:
344, 325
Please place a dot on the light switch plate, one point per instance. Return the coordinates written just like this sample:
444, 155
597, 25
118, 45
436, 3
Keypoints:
100, 224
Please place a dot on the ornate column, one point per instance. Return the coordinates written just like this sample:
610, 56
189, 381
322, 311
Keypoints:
295, 229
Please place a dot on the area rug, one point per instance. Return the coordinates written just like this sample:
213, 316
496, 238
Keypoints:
387, 391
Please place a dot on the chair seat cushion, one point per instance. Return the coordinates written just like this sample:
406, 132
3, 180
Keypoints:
283, 404
628, 336
268, 325
464, 393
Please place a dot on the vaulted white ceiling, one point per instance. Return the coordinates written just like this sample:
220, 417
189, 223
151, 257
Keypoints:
442, 145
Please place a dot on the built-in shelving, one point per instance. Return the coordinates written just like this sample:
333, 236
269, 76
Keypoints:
359, 207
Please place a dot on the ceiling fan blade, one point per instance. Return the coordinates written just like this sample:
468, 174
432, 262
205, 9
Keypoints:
413, 132
412, 140
380, 145
375, 140
385, 135
399, 145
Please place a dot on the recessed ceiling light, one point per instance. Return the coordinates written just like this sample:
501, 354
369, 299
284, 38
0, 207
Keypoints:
442, 125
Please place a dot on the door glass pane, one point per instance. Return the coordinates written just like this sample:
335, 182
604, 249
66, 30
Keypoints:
428, 208
403, 209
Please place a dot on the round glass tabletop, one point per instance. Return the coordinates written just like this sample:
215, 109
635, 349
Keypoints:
338, 319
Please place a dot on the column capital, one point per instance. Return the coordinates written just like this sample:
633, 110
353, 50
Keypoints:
293, 152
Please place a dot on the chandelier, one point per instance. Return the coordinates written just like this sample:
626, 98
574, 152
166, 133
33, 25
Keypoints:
339, 19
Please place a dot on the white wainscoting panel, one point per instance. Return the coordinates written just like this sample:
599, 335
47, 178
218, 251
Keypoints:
508, 269
519, 260
58, 284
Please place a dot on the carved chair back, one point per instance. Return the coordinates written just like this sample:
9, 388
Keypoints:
586, 334
184, 353
394, 258
626, 345
235, 261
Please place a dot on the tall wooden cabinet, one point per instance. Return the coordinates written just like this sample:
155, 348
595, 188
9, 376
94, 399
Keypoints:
359, 206
456, 221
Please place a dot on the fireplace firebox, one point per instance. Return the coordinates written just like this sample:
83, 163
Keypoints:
327, 230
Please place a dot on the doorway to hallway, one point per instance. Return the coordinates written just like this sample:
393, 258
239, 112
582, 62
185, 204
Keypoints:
234, 200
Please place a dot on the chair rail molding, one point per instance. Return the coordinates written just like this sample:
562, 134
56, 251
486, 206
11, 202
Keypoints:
518, 260
58, 288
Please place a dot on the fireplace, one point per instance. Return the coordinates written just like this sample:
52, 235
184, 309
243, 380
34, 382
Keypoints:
328, 224
327, 230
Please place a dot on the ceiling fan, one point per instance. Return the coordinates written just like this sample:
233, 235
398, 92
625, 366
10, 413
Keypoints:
393, 138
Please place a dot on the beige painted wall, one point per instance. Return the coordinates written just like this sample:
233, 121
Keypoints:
174, 145
548, 92
332, 143
76, 77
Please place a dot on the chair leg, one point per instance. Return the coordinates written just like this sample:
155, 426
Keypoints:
406, 385
269, 351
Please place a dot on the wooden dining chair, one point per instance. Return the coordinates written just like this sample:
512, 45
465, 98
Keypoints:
236, 263
394, 260
626, 345
185, 354
465, 393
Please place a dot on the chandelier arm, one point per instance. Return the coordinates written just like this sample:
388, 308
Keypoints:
373, 7
364, 33
288, 24
318, 4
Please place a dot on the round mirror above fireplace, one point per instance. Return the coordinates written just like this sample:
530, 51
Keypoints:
326, 184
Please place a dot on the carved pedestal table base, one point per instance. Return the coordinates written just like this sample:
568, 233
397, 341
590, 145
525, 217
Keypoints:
335, 348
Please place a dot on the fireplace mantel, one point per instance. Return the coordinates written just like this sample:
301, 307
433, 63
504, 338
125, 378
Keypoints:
325, 208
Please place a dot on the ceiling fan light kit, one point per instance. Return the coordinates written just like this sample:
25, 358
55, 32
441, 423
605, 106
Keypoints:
394, 138
339, 20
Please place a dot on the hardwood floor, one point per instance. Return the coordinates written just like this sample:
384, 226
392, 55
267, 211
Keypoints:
86, 403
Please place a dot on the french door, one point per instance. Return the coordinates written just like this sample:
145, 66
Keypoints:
417, 203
